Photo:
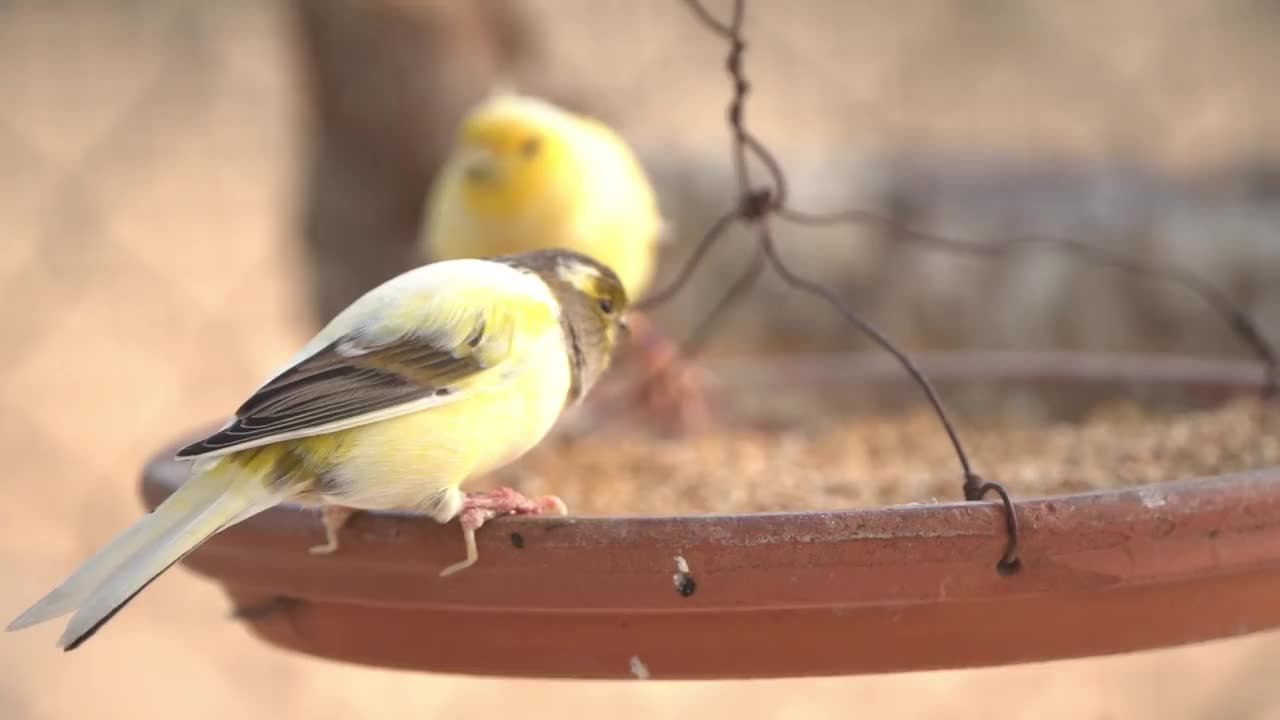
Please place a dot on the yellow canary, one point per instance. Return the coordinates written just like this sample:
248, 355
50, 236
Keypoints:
447, 371
527, 175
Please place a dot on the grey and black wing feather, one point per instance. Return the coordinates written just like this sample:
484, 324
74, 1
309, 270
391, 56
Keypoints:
342, 382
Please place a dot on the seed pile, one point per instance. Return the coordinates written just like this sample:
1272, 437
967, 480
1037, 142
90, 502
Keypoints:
861, 461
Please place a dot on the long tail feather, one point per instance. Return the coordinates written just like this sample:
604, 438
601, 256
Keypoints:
73, 592
211, 500
242, 500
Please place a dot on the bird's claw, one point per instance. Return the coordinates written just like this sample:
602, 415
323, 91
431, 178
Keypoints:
334, 518
481, 507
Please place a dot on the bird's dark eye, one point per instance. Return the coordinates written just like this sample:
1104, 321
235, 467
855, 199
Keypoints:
606, 305
530, 147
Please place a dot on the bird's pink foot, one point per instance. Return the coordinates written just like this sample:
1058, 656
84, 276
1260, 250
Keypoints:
334, 518
481, 507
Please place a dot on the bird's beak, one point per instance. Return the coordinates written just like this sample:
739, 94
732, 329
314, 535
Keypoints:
478, 164
624, 326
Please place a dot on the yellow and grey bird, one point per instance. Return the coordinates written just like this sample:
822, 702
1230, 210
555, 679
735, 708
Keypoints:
527, 175
442, 373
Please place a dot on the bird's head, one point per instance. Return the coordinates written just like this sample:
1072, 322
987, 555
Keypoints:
592, 302
512, 151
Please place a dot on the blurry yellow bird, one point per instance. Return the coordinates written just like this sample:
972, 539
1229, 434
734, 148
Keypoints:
440, 374
527, 175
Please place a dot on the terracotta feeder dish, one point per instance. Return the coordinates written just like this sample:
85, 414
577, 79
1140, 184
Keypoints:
833, 592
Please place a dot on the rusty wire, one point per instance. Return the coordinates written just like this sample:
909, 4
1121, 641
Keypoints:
746, 279
757, 205
1232, 314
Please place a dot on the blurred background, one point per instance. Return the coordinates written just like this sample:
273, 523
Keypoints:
188, 189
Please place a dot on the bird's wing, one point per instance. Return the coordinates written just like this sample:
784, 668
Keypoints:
358, 379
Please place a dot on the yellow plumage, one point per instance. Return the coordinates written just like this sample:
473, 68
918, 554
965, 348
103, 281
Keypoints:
416, 455
442, 373
526, 175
